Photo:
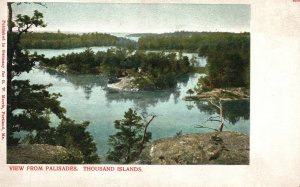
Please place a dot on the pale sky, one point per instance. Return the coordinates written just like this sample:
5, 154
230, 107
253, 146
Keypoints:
140, 18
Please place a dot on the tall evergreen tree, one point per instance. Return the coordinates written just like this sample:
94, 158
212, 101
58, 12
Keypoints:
128, 141
29, 106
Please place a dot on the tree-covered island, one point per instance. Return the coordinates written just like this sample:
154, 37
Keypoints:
149, 70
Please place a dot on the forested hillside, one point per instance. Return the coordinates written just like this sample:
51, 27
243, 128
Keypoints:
58, 40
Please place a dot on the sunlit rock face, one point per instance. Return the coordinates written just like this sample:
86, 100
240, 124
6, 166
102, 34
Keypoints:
211, 148
125, 84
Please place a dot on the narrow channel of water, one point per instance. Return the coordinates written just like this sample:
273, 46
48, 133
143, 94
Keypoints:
86, 97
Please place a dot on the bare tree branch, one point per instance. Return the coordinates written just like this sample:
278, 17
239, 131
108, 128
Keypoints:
21, 31
214, 104
213, 118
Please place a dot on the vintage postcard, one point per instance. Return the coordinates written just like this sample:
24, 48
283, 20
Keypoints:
150, 93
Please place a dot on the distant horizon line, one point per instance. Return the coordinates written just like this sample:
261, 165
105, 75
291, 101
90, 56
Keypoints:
115, 32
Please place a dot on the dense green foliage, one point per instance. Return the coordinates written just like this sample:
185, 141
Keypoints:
33, 105
64, 41
29, 106
26, 110
228, 62
188, 41
151, 70
126, 143
75, 137
228, 54
71, 135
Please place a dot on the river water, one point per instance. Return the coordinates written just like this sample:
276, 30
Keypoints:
87, 98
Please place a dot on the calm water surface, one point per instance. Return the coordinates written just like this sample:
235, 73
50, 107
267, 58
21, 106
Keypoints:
86, 97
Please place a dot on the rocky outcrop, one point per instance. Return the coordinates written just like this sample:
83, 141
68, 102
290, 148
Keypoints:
37, 154
225, 94
62, 68
125, 84
211, 148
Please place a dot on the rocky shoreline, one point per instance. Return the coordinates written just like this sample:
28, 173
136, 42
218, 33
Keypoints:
125, 84
239, 93
122, 84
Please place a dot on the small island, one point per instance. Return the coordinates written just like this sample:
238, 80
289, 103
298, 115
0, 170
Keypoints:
137, 70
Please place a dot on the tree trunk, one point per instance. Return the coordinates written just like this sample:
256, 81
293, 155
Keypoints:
221, 116
220, 113
127, 159
10, 55
144, 136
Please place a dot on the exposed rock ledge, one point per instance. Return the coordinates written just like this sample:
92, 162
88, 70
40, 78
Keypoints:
125, 84
226, 94
211, 148
37, 154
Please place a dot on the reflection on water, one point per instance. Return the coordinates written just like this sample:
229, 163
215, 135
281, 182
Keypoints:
142, 100
86, 97
233, 111
86, 82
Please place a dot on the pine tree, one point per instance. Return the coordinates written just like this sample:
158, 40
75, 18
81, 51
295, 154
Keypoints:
29, 106
128, 141
33, 102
